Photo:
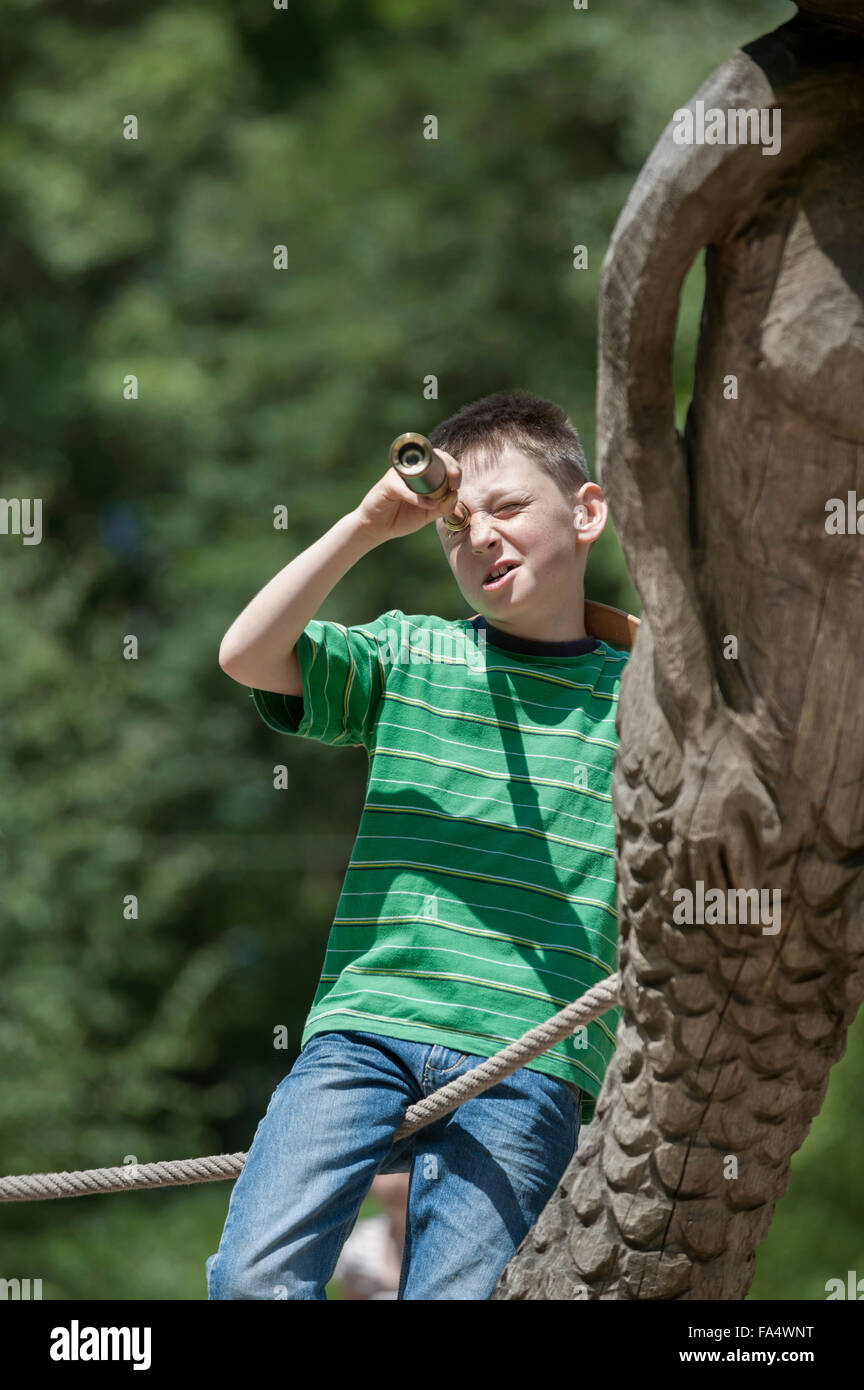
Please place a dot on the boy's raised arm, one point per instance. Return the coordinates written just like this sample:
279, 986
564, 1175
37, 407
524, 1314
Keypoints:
259, 648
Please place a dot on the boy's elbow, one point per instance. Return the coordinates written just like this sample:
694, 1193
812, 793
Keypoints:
249, 670
224, 654
228, 661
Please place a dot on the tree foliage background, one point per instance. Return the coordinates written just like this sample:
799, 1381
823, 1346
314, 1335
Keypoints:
303, 126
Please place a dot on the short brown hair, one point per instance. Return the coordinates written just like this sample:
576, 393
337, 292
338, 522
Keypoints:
535, 426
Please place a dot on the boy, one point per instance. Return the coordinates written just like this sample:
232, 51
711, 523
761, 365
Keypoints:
480, 895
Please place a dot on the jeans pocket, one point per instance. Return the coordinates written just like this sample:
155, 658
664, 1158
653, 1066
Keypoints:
443, 1071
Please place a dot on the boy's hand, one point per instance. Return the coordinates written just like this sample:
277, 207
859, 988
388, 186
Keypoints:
391, 509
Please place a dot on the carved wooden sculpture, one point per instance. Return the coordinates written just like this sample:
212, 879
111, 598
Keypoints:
740, 771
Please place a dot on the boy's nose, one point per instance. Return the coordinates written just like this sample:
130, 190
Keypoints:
481, 531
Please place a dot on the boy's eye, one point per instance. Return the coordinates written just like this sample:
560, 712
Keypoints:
515, 505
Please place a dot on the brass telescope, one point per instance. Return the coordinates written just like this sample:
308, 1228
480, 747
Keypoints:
415, 460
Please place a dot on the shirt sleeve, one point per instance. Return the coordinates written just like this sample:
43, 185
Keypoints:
344, 673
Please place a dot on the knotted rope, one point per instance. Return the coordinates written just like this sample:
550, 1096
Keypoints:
31, 1187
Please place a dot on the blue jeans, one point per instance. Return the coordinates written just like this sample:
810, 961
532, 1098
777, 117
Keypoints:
480, 1176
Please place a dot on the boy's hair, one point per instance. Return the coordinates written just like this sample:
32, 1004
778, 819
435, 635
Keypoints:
535, 426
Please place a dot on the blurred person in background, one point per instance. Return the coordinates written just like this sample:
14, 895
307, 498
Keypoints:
370, 1261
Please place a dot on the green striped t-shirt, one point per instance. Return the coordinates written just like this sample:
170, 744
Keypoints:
480, 896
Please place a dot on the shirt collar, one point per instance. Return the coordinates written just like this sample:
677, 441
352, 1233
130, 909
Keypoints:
528, 646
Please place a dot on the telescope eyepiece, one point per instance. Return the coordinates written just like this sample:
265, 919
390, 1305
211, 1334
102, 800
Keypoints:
410, 454
417, 463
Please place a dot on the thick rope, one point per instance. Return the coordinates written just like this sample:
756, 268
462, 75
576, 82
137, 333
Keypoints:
174, 1172
31, 1187
598, 1000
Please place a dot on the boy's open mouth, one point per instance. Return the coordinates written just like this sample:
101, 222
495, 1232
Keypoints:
498, 574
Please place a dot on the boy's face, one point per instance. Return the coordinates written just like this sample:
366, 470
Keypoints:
519, 514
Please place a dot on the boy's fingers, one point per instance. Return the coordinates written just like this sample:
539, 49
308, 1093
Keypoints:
454, 472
